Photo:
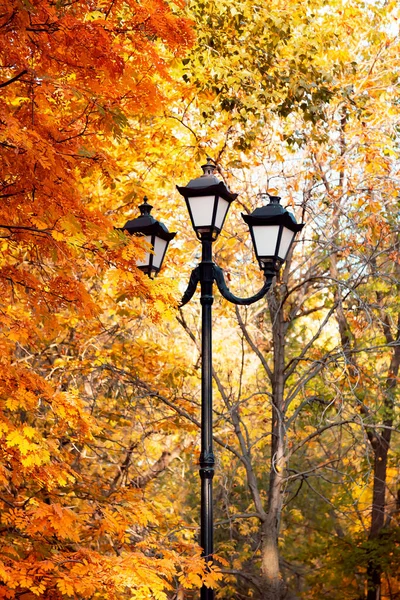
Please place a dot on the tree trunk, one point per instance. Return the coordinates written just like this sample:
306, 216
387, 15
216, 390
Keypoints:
381, 445
270, 529
374, 571
270, 561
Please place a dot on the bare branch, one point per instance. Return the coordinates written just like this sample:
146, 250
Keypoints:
318, 432
15, 78
251, 343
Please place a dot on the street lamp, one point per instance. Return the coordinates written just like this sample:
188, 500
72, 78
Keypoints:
207, 200
272, 230
156, 235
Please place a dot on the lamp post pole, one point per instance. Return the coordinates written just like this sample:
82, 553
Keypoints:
206, 454
272, 230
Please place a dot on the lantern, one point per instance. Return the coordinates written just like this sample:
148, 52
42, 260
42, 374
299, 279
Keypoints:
155, 233
207, 199
272, 229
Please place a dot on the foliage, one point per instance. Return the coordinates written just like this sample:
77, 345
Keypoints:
101, 104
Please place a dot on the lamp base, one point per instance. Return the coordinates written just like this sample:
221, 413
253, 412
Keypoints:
270, 267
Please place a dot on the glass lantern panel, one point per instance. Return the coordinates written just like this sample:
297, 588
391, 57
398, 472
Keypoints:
286, 240
159, 251
146, 260
202, 210
265, 237
222, 209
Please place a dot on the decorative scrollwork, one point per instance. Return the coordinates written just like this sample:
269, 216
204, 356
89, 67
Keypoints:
227, 294
219, 278
191, 288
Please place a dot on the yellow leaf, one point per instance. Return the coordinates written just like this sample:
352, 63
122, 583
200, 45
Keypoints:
16, 439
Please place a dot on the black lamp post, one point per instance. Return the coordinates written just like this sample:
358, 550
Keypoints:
272, 229
155, 233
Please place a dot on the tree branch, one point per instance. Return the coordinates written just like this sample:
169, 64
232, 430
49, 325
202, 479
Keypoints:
252, 345
10, 81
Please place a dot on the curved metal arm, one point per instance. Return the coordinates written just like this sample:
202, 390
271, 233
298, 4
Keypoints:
191, 288
227, 294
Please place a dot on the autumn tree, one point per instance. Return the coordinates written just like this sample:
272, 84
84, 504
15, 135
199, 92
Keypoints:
72, 77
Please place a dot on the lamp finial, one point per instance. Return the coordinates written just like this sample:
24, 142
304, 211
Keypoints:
209, 168
145, 208
273, 199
